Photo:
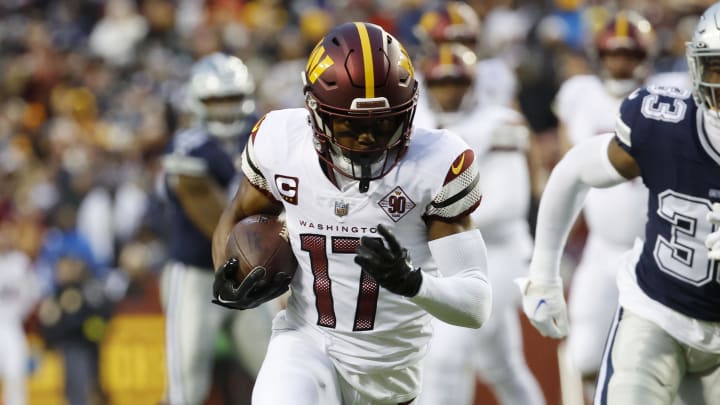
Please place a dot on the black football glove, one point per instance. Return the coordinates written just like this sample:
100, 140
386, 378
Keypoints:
389, 266
251, 292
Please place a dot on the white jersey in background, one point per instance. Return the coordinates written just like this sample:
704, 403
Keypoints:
494, 352
365, 330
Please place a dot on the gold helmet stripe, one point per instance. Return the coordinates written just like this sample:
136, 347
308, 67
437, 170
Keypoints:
446, 55
622, 25
454, 14
367, 60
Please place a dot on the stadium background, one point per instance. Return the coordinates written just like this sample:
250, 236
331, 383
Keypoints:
89, 95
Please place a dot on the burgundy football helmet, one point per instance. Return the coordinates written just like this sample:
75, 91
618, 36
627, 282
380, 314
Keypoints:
629, 39
453, 21
453, 63
627, 31
449, 73
360, 78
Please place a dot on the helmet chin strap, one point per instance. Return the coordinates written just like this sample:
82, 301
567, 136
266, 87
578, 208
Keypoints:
364, 175
367, 171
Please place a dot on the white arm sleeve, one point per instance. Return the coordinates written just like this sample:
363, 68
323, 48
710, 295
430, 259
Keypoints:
463, 296
585, 165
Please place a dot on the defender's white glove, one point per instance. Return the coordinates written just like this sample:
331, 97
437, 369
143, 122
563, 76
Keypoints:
544, 305
713, 240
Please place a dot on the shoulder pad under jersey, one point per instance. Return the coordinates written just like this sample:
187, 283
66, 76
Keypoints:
459, 193
646, 109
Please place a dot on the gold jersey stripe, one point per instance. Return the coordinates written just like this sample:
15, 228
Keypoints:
367, 60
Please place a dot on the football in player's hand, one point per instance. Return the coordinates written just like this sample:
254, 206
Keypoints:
261, 241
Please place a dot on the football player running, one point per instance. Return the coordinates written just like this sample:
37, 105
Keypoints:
455, 22
378, 216
198, 173
499, 139
586, 106
667, 327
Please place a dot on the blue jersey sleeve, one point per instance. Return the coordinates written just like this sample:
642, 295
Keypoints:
194, 152
648, 113
627, 120
219, 163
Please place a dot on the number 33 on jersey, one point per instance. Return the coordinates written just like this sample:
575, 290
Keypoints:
674, 267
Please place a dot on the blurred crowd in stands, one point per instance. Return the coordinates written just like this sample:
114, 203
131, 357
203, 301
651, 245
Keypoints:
91, 91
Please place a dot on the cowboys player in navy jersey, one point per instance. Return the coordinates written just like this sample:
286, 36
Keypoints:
667, 327
198, 178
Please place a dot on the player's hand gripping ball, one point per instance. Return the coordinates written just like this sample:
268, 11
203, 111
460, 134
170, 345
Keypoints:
261, 263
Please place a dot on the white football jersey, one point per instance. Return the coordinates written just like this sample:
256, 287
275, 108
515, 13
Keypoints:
495, 83
367, 328
504, 176
19, 287
616, 214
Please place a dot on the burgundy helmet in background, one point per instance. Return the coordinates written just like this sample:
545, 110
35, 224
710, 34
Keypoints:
453, 21
627, 31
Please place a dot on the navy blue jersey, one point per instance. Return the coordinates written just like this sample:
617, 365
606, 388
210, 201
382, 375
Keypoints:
663, 130
193, 152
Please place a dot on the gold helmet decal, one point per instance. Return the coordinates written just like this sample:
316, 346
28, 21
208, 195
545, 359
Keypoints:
317, 64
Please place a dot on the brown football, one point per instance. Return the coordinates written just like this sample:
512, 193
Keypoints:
259, 241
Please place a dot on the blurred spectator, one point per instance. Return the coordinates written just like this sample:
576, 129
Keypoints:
282, 84
118, 32
73, 321
134, 285
19, 289
63, 240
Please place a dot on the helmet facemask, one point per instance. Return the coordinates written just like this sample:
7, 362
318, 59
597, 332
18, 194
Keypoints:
365, 143
224, 117
623, 70
705, 72
450, 74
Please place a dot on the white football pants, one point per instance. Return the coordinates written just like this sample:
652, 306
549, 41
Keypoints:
643, 364
13, 363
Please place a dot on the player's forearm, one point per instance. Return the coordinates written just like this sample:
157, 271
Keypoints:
205, 210
463, 297
584, 166
220, 235
201, 198
248, 201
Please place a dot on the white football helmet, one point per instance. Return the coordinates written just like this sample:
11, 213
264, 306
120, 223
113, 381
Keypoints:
220, 94
703, 54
